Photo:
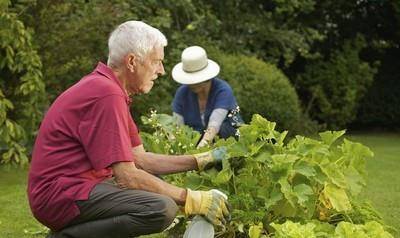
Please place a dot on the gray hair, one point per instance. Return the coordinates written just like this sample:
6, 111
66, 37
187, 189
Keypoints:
133, 37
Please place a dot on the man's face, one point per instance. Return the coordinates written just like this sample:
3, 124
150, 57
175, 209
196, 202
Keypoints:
146, 72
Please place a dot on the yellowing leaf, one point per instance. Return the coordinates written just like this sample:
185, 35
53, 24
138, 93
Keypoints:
255, 230
337, 197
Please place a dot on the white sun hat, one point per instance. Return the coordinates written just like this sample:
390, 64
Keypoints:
195, 67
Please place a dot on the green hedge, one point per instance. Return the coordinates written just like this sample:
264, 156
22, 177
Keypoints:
380, 106
260, 88
332, 88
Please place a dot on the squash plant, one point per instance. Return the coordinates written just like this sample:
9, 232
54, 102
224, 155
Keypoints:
278, 187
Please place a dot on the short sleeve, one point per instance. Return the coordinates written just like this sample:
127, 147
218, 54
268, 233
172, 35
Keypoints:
104, 132
134, 133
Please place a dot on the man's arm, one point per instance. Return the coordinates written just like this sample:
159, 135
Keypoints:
128, 176
162, 164
212, 204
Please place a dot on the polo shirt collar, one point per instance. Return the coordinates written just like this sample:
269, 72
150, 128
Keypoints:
108, 73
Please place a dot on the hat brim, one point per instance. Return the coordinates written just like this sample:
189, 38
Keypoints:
182, 77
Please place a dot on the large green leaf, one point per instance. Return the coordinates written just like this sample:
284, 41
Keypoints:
275, 196
302, 192
294, 230
335, 175
329, 137
305, 169
224, 175
354, 180
287, 191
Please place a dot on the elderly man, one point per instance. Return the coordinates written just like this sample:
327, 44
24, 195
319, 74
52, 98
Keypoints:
90, 175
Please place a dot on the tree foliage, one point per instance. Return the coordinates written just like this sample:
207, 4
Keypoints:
380, 106
21, 88
306, 39
72, 38
72, 35
272, 30
335, 86
378, 22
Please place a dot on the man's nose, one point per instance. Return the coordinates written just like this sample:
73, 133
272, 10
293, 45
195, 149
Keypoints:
161, 70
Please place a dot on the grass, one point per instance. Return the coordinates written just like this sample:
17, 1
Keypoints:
383, 189
383, 181
16, 219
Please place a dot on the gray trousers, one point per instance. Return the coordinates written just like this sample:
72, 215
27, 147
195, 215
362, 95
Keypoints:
119, 213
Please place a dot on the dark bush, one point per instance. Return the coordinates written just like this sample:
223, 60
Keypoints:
379, 108
260, 88
332, 88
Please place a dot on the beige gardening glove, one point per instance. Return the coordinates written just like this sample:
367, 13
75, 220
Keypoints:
212, 204
207, 159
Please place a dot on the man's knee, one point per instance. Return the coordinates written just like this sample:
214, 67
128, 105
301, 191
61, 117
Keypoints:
163, 211
168, 211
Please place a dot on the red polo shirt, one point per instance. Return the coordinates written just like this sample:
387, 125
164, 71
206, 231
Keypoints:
86, 129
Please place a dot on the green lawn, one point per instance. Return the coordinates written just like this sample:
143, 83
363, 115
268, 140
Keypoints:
383, 189
15, 216
383, 181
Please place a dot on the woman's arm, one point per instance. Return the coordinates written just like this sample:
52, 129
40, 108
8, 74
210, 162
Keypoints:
214, 124
178, 117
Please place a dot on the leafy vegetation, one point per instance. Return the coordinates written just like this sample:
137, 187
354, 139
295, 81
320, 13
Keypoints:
317, 229
315, 44
299, 182
381, 189
335, 85
293, 35
21, 89
379, 107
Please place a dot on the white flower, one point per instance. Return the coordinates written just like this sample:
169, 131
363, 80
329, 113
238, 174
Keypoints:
237, 133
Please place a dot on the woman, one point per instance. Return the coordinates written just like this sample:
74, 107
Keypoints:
204, 102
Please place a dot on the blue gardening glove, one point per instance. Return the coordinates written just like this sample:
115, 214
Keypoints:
213, 205
207, 159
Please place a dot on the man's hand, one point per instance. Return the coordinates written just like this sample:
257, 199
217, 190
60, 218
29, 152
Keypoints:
207, 159
213, 205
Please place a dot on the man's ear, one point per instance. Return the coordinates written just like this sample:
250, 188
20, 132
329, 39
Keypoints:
130, 62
